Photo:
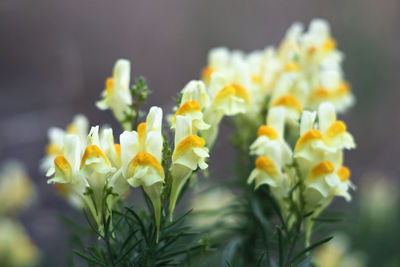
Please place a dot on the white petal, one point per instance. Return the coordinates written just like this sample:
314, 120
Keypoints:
154, 119
183, 128
122, 73
129, 148
154, 144
93, 137
307, 121
72, 151
326, 116
276, 119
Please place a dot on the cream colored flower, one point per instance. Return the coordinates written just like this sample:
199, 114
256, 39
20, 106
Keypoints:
16, 247
317, 41
286, 94
195, 90
218, 60
189, 154
267, 172
194, 100
76, 171
78, 126
338, 253
228, 98
326, 181
334, 131
117, 95
319, 155
141, 156
16, 189
270, 141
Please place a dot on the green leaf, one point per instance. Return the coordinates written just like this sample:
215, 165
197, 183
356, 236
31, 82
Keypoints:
228, 263
89, 258
259, 262
311, 247
327, 220
142, 228
280, 246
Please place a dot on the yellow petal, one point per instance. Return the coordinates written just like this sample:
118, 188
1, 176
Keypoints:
188, 106
343, 173
187, 143
62, 165
335, 129
329, 45
206, 73
265, 164
289, 101
310, 135
53, 149
322, 168
268, 131
145, 159
94, 151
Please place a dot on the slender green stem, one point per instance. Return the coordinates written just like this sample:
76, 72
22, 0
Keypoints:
107, 240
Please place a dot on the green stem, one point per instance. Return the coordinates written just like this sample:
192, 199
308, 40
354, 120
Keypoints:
107, 240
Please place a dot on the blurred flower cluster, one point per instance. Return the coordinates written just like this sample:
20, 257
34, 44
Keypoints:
16, 194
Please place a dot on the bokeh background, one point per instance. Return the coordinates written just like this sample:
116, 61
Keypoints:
55, 56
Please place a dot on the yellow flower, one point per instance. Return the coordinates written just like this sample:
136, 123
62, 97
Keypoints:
319, 153
116, 95
270, 138
82, 166
328, 181
192, 109
189, 153
338, 253
78, 126
266, 172
228, 98
141, 155
16, 247
16, 189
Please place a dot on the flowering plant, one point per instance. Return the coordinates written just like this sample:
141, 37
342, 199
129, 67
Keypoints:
282, 103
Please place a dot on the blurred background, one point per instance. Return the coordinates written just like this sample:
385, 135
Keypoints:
55, 56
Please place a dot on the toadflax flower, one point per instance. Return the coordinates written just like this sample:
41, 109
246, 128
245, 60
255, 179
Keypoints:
78, 126
273, 154
16, 189
117, 95
16, 247
194, 100
141, 156
319, 153
189, 154
227, 99
87, 176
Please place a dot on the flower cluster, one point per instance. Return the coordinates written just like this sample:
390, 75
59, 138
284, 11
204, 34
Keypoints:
94, 172
304, 71
316, 158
